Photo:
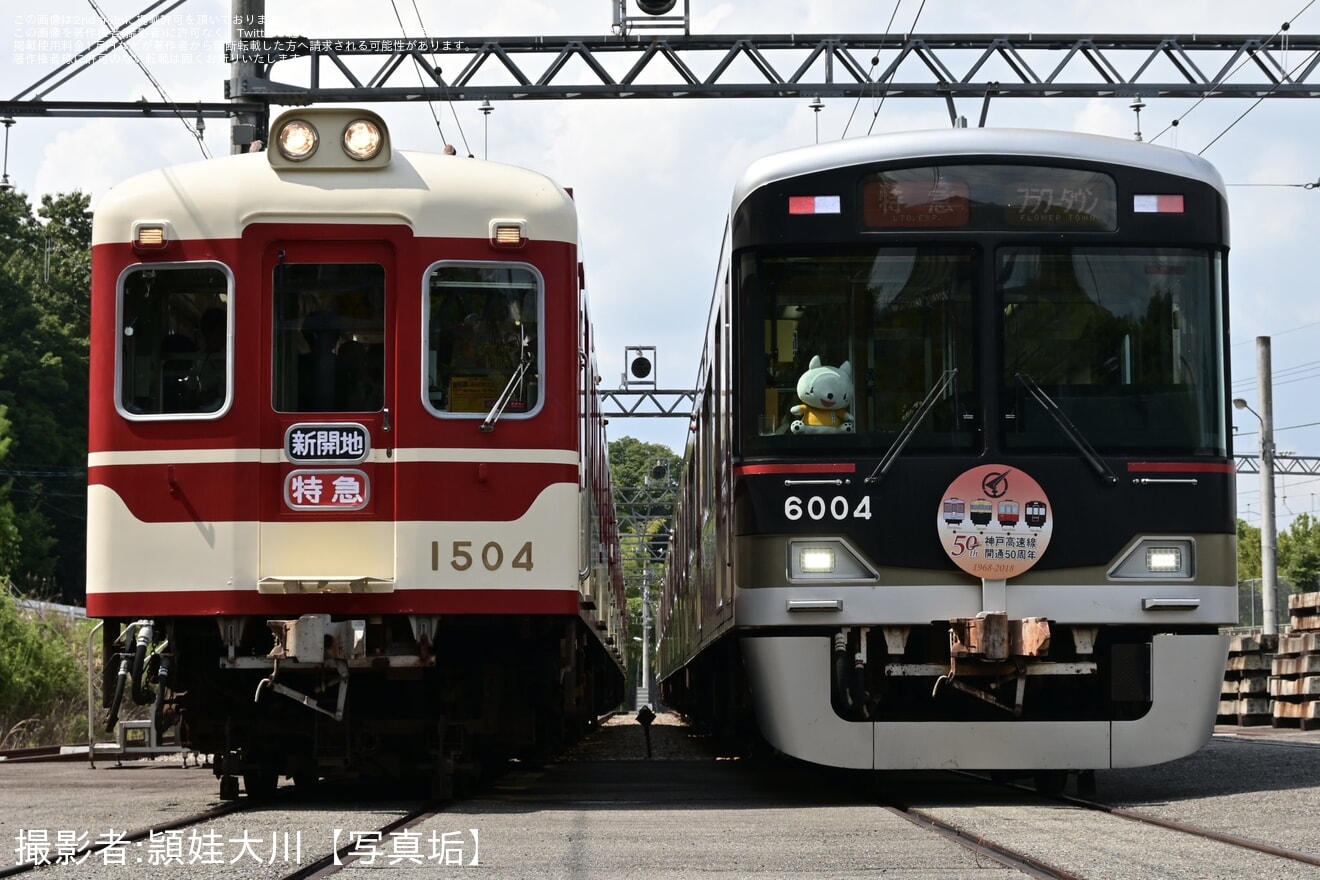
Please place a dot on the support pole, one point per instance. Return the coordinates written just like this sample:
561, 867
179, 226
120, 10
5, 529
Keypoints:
1268, 539
644, 686
247, 23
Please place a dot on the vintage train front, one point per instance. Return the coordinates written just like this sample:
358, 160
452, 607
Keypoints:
959, 491
349, 503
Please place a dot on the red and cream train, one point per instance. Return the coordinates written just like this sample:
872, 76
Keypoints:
349, 502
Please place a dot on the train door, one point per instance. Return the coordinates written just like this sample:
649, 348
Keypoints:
328, 503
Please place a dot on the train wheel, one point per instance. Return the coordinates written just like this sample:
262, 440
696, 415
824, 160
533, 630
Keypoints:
261, 783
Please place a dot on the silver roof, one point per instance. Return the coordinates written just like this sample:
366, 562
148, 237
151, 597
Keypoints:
979, 142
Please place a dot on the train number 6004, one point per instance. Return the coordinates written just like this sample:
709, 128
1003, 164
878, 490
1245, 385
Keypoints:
817, 508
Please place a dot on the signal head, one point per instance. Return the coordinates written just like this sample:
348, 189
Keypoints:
655, 7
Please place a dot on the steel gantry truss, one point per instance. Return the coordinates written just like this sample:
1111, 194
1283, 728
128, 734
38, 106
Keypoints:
787, 66
657, 403
630, 65
1283, 464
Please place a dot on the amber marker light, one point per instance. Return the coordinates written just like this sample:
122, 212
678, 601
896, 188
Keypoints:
149, 236
507, 234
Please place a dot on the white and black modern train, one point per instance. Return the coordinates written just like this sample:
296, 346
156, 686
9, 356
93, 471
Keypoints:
959, 490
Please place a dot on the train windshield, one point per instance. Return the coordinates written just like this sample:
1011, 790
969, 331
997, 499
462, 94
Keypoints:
483, 338
893, 323
329, 340
1125, 341
174, 340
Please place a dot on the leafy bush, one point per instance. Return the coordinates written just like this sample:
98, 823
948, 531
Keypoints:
43, 678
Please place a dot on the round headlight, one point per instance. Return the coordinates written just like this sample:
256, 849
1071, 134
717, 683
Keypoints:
296, 140
362, 139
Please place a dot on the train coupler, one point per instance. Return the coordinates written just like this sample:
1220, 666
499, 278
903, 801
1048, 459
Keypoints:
312, 638
992, 636
311, 702
1017, 674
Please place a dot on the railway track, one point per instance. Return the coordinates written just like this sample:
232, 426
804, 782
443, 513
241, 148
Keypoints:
1029, 859
603, 809
296, 833
43, 753
58, 855
383, 843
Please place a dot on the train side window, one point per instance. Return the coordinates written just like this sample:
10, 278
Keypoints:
175, 344
329, 337
483, 329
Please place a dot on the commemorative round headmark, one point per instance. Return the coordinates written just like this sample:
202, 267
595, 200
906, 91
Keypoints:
994, 521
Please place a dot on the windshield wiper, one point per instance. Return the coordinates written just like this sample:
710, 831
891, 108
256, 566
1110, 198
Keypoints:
502, 402
1068, 428
911, 425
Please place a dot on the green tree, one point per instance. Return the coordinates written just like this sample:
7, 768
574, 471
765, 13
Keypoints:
1248, 549
631, 462
1299, 554
11, 543
44, 323
645, 478
41, 683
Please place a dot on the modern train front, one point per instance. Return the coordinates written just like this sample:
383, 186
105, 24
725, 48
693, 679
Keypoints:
338, 445
983, 491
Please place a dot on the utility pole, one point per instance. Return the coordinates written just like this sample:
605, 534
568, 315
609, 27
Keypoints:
1268, 541
248, 23
1269, 550
644, 686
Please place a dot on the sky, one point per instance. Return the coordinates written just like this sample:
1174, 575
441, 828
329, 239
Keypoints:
653, 178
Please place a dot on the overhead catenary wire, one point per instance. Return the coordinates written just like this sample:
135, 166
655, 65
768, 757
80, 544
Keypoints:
160, 90
1295, 373
435, 117
875, 62
1312, 185
1300, 371
1254, 105
443, 84
420, 78
912, 29
1283, 29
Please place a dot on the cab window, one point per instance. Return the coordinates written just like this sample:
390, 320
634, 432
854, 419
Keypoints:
483, 325
329, 339
174, 341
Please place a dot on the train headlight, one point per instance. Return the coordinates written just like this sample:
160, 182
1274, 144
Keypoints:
816, 560
1158, 558
1163, 559
826, 559
363, 139
297, 140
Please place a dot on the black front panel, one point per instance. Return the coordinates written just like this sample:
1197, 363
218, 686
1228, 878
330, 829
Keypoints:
901, 514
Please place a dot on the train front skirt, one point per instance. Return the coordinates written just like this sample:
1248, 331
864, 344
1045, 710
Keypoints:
796, 717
